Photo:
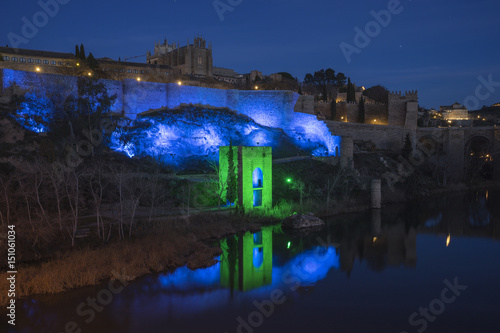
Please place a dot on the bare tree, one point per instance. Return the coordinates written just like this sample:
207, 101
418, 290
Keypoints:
135, 191
333, 181
5, 181
97, 188
56, 182
300, 186
72, 189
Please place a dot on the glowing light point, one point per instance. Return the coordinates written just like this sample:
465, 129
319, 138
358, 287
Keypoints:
38, 69
256, 87
90, 74
289, 180
78, 64
448, 239
179, 83
138, 79
288, 245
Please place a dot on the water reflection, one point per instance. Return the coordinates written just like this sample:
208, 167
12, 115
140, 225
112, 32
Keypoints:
253, 265
247, 260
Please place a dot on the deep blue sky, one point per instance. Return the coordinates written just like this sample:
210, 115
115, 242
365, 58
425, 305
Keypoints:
438, 47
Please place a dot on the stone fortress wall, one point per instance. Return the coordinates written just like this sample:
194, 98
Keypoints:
272, 108
281, 109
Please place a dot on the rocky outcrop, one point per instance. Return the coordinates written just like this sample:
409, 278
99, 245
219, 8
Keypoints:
297, 221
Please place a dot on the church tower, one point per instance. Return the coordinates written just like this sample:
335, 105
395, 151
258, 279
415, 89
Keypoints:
192, 59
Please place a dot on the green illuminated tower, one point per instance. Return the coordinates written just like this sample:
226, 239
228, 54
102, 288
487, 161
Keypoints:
253, 172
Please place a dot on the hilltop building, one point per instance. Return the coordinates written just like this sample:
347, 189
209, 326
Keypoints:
67, 64
456, 111
192, 59
37, 61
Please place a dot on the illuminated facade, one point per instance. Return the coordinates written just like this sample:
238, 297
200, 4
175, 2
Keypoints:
37, 61
253, 172
454, 112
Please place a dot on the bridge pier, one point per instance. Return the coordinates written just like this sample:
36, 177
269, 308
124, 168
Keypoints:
455, 150
496, 153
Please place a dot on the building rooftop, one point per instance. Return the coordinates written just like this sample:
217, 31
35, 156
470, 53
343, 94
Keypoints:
134, 64
36, 53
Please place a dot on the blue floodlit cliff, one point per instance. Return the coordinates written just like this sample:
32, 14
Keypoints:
192, 134
175, 133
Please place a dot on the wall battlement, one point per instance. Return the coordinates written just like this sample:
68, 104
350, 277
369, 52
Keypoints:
409, 94
403, 108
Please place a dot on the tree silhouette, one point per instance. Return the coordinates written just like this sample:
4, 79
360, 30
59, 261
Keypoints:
82, 52
407, 147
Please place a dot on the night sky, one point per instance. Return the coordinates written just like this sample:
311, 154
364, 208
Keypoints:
438, 47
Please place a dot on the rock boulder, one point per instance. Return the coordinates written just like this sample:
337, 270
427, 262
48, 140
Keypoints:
297, 221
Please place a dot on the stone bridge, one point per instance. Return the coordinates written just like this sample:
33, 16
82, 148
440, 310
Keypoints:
467, 148
462, 149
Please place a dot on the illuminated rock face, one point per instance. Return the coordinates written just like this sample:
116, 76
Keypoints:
193, 135
260, 118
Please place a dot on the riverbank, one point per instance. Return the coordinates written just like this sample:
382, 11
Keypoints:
168, 244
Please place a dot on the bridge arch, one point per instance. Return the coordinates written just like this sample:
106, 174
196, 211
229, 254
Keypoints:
478, 157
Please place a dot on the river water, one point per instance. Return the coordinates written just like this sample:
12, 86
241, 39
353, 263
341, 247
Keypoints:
430, 266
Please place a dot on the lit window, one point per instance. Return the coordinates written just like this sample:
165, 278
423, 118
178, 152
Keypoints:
60, 63
22, 59
258, 257
257, 178
30, 60
37, 61
52, 62
257, 198
45, 62
129, 71
6, 58
135, 71
200, 60
14, 58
